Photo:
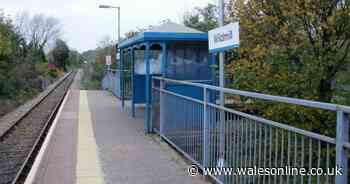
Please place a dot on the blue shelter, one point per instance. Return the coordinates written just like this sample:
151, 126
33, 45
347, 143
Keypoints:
169, 50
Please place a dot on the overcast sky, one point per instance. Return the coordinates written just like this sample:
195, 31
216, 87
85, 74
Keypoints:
84, 24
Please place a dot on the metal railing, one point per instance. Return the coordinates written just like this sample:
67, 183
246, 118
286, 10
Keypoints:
113, 81
211, 135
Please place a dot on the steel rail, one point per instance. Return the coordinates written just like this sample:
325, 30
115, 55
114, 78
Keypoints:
33, 107
31, 155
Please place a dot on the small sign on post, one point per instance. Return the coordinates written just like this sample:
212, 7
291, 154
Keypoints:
108, 60
224, 38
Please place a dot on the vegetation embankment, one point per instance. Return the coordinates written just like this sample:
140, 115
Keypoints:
32, 56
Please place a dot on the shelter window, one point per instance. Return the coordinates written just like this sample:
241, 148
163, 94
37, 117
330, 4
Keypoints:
139, 62
190, 56
203, 56
179, 56
155, 61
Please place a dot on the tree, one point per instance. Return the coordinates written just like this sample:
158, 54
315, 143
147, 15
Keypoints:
95, 66
39, 30
132, 33
203, 19
106, 47
23, 69
75, 58
9, 43
60, 54
18, 79
292, 48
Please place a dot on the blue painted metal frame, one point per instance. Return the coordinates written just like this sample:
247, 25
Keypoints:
164, 56
122, 77
148, 89
132, 83
148, 39
157, 36
224, 48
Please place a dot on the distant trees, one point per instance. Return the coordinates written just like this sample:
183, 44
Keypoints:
38, 30
75, 59
60, 54
96, 59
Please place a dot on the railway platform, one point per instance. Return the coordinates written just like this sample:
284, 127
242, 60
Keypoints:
95, 141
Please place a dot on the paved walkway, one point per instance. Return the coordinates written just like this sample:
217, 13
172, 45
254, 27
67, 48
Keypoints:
96, 142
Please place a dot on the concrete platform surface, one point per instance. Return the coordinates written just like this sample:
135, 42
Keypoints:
95, 141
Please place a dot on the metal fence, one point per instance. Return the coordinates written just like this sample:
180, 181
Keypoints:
114, 81
215, 136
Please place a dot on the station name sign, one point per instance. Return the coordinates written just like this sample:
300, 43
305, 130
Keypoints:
224, 38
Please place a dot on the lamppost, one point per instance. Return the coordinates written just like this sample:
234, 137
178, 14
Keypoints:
120, 60
118, 9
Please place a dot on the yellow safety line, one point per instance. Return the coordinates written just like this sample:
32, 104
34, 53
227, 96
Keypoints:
88, 169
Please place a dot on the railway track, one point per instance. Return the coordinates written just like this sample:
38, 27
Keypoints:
20, 143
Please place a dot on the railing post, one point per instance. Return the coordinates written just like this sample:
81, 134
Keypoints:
161, 108
151, 106
162, 86
205, 129
122, 87
341, 152
148, 86
132, 84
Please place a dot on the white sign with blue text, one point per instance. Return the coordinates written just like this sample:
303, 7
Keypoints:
224, 38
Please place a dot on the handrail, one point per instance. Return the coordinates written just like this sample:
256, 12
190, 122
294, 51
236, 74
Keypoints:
115, 70
234, 128
289, 100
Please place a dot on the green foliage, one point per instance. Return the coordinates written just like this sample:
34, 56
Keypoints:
23, 67
75, 59
92, 75
10, 48
95, 67
288, 48
203, 19
299, 45
296, 49
60, 54
43, 70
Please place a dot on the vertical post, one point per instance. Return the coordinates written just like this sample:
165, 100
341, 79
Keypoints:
109, 78
132, 84
164, 56
222, 97
117, 68
118, 25
148, 90
120, 58
213, 94
205, 129
341, 152
122, 78
162, 86
161, 108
